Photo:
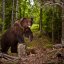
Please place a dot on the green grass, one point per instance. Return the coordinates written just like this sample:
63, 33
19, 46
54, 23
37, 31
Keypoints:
39, 41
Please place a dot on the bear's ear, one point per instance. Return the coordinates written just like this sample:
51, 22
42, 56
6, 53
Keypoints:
22, 19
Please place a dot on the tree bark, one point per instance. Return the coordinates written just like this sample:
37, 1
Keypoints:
12, 13
41, 20
63, 23
16, 9
24, 8
53, 24
3, 14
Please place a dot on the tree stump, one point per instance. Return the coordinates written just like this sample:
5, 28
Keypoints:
21, 50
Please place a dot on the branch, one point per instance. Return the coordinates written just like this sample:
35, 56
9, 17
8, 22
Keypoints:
9, 58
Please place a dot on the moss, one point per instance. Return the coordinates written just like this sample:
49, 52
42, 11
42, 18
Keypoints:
42, 41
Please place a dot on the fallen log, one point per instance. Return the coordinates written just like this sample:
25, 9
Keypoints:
8, 57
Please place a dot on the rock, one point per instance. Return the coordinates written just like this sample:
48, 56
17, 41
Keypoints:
21, 50
57, 46
30, 51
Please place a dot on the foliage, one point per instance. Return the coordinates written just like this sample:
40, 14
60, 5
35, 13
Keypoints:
52, 15
43, 41
35, 27
47, 18
25, 10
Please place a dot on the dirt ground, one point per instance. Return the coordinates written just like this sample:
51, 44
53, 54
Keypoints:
41, 51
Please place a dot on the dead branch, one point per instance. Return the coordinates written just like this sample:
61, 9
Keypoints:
9, 58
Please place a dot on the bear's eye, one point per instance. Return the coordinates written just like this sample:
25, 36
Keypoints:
26, 29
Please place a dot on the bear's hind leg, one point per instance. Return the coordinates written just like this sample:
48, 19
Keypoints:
4, 49
14, 48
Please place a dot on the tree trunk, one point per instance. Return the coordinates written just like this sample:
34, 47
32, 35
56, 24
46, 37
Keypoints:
12, 13
41, 20
53, 25
20, 12
20, 9
16, 9
3, 14
24, 7
63, 24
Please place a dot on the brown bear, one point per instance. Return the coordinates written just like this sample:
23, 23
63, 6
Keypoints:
16, 34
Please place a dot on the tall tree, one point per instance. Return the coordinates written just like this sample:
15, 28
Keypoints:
24, 8
12, 13
41, 17
20, 15
3, 14
16, 9
53, 24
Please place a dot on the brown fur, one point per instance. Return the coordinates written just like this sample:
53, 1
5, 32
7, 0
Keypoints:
14, 35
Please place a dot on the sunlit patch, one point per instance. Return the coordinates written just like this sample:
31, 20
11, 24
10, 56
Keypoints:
29, 26
32, 2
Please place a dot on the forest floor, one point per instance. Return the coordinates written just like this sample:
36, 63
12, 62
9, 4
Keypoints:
42, 51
